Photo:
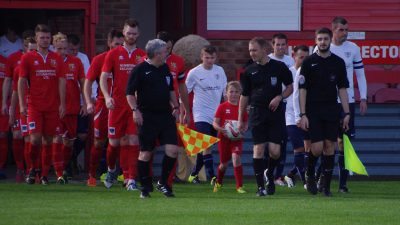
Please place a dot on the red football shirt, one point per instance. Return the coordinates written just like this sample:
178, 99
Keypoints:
120, 63
228, 112
94, 73
43, 74
3, 61
73, 71
176, 66
12, 62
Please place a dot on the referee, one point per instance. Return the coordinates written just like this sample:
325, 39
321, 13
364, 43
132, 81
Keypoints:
150, 94
322, 76
262, 90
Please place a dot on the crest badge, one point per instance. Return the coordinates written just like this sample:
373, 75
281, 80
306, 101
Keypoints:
274, 81
71, 67
302, 80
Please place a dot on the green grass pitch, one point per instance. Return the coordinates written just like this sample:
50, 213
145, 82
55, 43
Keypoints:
370, 202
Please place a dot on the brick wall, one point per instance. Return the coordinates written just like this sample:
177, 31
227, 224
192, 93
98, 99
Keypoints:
112, 14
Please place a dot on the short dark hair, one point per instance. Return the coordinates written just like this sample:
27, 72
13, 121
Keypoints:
165, 36
324, 30
278, 36
42, 28
73, 39
260, 41
131, 22
209, 49
338, 20
303, 48
28, 34
30, 40
114, 33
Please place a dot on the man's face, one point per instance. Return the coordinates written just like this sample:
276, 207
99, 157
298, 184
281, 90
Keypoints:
43, 39
256, 52
115, 42
61, 48
208, 59
131, 35
299, 56
323, 42
73, 49
340, 32
280, 47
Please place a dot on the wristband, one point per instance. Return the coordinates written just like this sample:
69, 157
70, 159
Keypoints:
347, 114
302, 114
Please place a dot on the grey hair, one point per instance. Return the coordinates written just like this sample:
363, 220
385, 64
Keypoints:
153, 47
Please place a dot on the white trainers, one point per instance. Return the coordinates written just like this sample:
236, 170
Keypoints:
289, 182
279, 182
131, 186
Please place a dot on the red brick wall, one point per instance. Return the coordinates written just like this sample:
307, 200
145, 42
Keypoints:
112, 14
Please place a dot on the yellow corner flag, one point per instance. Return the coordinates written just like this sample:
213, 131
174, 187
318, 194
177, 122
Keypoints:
351, 160
195, 142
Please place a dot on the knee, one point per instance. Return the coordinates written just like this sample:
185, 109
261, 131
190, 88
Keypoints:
223, 166
145, 156
171, 151
236, 160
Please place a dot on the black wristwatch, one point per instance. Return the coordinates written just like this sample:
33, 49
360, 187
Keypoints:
302, 114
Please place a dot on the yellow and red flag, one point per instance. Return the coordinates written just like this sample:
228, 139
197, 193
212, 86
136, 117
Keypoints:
195, 142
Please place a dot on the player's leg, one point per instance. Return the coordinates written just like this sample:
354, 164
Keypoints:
18, 153
4, 127
132, 146
297, 138
236, 151
35, 124
224, 157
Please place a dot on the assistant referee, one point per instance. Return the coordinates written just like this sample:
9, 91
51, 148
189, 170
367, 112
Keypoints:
150, 94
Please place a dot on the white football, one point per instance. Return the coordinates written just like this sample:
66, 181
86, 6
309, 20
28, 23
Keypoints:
232, 130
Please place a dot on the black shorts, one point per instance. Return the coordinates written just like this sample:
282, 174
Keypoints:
351, 132
322, 123
267, 126
157, 126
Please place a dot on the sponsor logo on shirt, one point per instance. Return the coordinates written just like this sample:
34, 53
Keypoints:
32, 125
69, 76
147, 73
313, 64
121, 57
253, 73
274, 81
228, 111
126, 67
111, 130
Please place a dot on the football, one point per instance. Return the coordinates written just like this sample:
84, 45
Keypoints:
232, 130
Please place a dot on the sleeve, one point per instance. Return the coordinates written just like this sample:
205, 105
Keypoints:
245, 83
218, 113
296, 100
108, 63
94, 70
360, 73
133, 81
190, 81
286, 76
342, 82
304, 75
24, 67
181, 71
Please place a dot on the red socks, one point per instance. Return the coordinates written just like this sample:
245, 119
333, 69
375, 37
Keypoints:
3, 152
58, 159
46, 159
238, 172
95, 157
112, 154
18, 152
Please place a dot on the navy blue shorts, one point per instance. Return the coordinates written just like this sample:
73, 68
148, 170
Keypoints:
83, 124
205, 128
296, 136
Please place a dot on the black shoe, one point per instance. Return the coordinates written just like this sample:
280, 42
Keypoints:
165, 189
271, 188
327, 193
144, 194
311, 185
30, 179
261, 192
344, 190
44, 181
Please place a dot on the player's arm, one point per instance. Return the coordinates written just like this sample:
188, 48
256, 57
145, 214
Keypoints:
6, 91
61, 90
345, 105
13, 104
22, 83
243, 102
131, 89
87, 93
303, 84
184, 96
104, 89
361, 80
84, 101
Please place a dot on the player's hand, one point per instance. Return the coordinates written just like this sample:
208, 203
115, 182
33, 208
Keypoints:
242, 126
61, 111
83, 111
186, 118
110, 103
23, 110
363, 107
304, 123
4, 109
137, 117
90, 108
346, 120
274, 104
176, 114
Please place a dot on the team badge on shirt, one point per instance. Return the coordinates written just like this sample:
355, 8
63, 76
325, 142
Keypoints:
32, 125
168, 79
274, 81
53, 63
111, 130
302, 80
121, 57
24, 128
71, 67
36, 63
96, 132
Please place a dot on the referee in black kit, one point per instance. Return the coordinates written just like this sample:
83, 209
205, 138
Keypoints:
322, 76
150, 94
262, 89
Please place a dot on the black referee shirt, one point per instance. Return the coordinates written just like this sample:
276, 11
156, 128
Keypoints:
322, 77
264, 82
152, 86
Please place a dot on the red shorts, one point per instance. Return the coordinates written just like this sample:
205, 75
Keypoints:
120, 123
227, 147
45, 123
100, 120
69, 126
4, 127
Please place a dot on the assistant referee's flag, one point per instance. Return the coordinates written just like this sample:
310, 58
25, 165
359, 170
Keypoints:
351, 160
195, 142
